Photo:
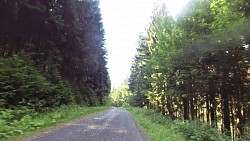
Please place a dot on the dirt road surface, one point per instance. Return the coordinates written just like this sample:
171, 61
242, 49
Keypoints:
112, 125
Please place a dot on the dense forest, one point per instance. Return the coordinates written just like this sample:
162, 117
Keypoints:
121, 96
52, 53
197, 66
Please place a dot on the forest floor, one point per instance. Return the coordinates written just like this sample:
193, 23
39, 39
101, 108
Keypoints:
111, 125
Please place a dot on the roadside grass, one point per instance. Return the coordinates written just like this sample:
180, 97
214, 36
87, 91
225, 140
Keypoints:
32, 123
155, 125
162, 128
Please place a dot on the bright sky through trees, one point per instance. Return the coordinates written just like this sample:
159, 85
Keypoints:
123, 21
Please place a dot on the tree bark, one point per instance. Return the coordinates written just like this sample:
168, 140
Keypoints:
225, 99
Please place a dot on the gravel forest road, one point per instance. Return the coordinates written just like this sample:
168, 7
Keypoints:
112, 125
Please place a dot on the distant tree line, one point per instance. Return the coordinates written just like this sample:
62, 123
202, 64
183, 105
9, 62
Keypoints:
121, 96
52, 53
197, 66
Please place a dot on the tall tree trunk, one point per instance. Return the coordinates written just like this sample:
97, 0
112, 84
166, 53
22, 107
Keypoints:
186, 107
196, 107
212, 102
169, 107
225, 99
192, 107
207, 108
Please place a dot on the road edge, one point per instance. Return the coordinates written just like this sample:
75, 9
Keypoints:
144, 136
55, 127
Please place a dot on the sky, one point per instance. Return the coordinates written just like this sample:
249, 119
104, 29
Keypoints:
123, 21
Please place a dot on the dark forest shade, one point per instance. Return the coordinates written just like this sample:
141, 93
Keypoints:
197, 66
59, 43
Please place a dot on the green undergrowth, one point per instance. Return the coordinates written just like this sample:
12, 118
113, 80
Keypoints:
13, 127
162, 128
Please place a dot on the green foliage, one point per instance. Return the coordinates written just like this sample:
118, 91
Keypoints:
197, 131
168, 129
23, 85
155, 126
121, 96
107, 101
196, 67
32, 121
63, 57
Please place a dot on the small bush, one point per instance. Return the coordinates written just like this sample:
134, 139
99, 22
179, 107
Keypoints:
197, 131
161, 128
21, 84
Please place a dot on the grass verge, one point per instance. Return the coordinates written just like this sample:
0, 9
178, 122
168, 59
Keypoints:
33, 123
154, 125
162, 128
